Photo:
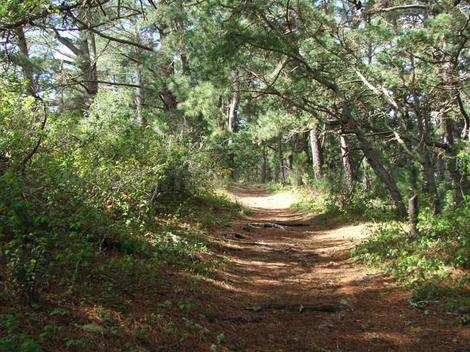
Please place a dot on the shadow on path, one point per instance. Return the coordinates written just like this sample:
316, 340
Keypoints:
311, 265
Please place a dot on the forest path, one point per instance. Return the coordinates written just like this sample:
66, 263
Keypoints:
267, 296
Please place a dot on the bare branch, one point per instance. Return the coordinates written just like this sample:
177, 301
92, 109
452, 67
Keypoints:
113, 39
109, 83
377, 91
400, 7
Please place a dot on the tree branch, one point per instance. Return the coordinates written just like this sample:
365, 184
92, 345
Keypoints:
119, 84
400, 7
113, 39
380, 92
22, 165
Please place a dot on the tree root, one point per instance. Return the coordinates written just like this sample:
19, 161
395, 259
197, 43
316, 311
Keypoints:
266, 225
293, 224
276, 225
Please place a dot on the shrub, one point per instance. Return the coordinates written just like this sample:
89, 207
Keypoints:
435, 263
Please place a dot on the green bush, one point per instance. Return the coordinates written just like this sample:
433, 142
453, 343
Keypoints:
435, 263
93, 187
13, 340
331, 196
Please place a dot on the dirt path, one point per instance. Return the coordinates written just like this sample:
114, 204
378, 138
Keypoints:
276, 275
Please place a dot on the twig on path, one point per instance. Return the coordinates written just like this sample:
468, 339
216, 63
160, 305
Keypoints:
328, 308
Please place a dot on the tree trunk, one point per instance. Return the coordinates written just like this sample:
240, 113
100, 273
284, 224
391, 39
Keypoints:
289, 165
425, 154
413, 215
373, 158
169, 100
346, 157
232, 119
83, 61
264, 165
86, 62
184, 64
430, 186
425, 159
26, 65
466, 119
366, 179
232, 124
93, 86
387, 179
139, 98
274, 174
317, 156
458, 179
282, 169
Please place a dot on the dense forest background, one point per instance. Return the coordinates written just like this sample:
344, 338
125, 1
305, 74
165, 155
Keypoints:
113, 112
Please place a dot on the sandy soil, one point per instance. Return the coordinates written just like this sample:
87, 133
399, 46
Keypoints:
299, 266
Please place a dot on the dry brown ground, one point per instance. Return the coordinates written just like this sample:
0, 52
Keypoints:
311, 264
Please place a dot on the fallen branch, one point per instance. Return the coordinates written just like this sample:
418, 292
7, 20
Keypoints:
328, 308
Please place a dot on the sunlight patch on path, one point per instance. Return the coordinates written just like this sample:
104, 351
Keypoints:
281, 200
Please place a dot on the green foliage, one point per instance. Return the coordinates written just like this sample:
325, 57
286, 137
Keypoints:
94, 187
329, 196
14, 10
433, 264
12, 339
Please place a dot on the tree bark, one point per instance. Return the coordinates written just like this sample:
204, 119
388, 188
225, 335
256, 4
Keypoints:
139, 98
317, 155
26, 65
424, 153
282, 169
346, 157
84, 49
264, 165
232, 118
430, 185
425, 159
374, 161
466, 118
232, 123
289, 164
413, 215
86, 62
373, 158
458, 178
169, 100
93, 87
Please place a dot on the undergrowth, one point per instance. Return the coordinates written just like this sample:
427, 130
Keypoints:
59, 262
435, 264
332, 200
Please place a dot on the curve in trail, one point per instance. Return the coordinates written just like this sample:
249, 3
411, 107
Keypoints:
270, 295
